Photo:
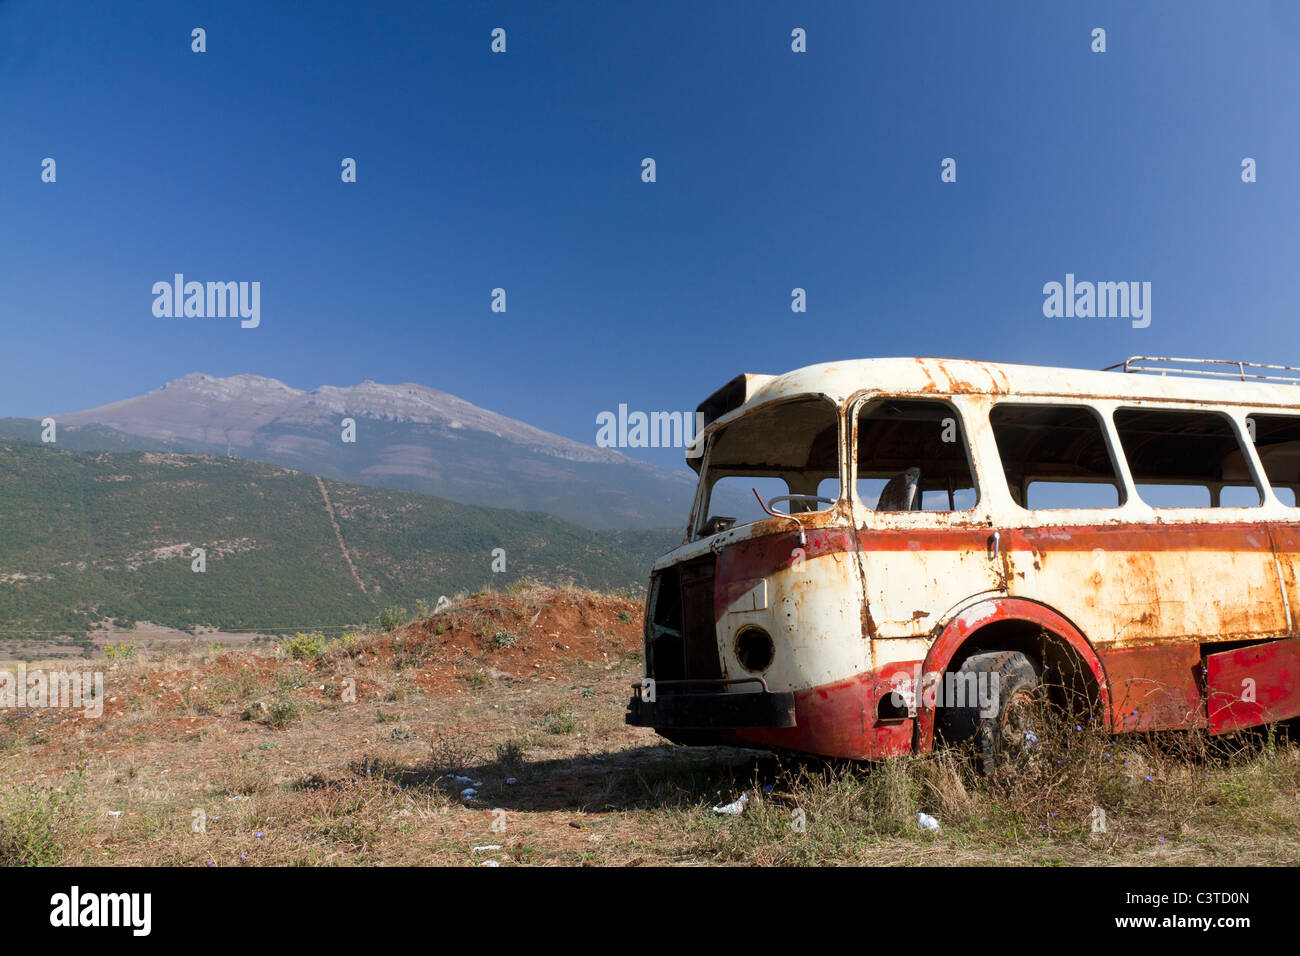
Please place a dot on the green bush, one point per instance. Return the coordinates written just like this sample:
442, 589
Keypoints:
124, 651
560, 720
306, 646
391, 618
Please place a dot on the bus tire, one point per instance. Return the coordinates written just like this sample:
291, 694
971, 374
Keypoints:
1003, 737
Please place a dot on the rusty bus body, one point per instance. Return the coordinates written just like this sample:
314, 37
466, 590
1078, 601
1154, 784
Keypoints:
993, 530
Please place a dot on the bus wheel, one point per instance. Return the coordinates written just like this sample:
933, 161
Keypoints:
1005, 728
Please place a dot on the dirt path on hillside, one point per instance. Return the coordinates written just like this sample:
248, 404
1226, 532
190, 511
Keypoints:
338, 533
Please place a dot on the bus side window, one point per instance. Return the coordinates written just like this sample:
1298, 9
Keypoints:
1177, 456
913, 456
1277, 442
1055, 457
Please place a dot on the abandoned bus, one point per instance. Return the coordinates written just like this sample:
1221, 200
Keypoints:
1133, 532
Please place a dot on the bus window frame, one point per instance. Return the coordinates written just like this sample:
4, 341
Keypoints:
1243, 429
1118, 463
1236, 419
865, 515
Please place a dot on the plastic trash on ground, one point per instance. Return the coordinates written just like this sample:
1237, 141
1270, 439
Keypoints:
736, 808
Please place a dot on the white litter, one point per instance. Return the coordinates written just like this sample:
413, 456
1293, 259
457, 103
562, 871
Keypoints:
469, 793
114, 813
927, 822
459, 779
486, 847
511, 780
489, 863
735, 809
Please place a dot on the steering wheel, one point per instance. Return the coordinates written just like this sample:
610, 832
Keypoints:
793, 498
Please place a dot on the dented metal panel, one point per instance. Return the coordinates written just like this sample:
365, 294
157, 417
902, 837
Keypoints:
1253, 685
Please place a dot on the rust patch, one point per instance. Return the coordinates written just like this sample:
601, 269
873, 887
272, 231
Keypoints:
1155, 687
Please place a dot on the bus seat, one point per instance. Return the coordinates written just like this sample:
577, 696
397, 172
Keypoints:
902, 492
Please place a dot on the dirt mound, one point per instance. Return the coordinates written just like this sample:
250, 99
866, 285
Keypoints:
537, 634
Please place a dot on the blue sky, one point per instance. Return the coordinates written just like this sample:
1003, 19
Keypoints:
775, 170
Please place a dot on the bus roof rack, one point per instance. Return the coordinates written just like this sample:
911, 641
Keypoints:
1243, 371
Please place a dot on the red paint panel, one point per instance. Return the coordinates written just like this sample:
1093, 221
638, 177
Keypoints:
1286, 537
1155, 688
748, 561
1244, 536
1253, 685
837, 720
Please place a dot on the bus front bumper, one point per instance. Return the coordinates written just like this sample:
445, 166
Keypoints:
712, 711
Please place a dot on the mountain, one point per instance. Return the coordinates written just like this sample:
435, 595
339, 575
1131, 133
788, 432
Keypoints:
92, 536
408, 437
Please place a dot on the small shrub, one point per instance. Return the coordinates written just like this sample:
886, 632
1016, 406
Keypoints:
304, 647
282, 713
559, 720
290, 680
123, 651
510, 754
504, 639
391, 618
452, 754
253, 711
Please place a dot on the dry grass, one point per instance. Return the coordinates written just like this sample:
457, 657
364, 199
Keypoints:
174, 773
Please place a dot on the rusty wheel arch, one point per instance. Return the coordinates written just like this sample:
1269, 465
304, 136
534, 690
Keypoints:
1017, 624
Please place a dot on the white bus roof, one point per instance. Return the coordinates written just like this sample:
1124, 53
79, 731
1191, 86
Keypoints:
942, 376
